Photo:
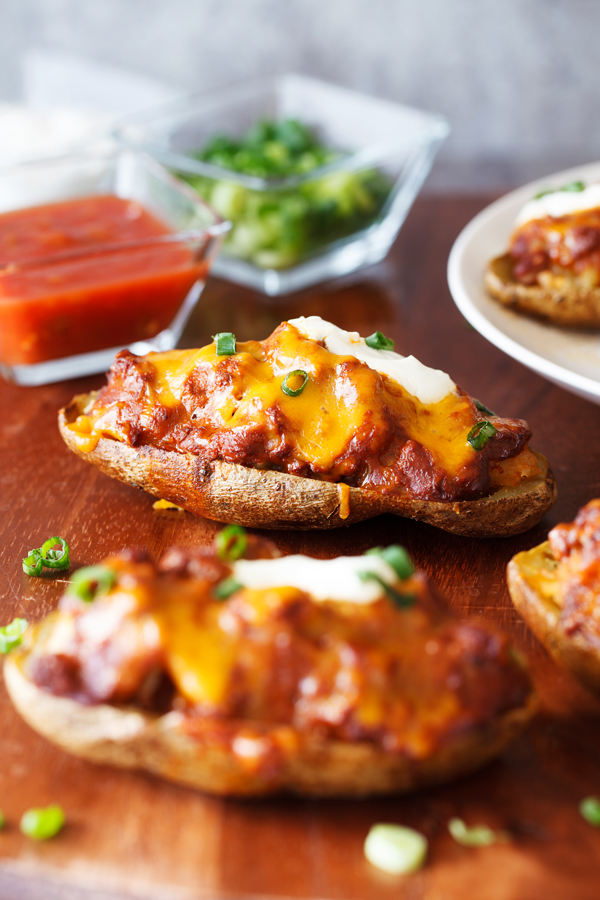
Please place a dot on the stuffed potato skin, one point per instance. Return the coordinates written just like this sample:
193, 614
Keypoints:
259, 498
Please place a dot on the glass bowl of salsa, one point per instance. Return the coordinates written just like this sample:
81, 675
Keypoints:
98, 252
316, 179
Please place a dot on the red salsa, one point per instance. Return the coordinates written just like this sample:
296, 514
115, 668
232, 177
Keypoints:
65, 288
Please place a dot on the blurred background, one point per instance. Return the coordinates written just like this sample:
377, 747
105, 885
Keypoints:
518, 80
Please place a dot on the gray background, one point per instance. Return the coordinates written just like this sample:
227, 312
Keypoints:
519, 80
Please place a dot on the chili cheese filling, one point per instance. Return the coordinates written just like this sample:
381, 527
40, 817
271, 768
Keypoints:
248, 642
315, 401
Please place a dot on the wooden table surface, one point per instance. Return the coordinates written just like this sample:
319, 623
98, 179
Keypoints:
131, 835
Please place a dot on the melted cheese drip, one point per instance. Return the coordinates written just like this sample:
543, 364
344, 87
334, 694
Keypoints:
559, 203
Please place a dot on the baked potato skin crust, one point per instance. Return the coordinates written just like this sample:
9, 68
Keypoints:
569, 306
201, 757
228, 492
580, 651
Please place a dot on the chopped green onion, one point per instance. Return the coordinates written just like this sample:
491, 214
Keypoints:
480, 434
55, 559
42, 823
225, 342
395, 848
476, 836
397, 557
32, 564
402, 601
297, 373
378, 341
10, 635
484, 409
2, 820
92, 582
573, 187
231, 542
224, 589
590, 810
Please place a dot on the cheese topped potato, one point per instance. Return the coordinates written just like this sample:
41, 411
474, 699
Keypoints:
240, 673
313, 427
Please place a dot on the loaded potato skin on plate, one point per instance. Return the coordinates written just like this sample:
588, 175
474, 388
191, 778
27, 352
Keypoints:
251, 674
315, 427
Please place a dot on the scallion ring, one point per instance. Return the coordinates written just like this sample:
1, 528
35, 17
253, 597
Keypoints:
402, 601
225, 342
476, 835
589, 808
32, 564
285, 386
42, 823
482, 408
224, 589
11, 634
397, 557
378, 341
91, 582
395, 848
480, 434
231, 543
55, 559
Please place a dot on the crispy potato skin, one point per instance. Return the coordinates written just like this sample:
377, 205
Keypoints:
569, 305
227, 492
579, 650
203, 759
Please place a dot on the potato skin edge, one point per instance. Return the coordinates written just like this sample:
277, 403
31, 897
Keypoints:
579, 653
318, 767
228, 492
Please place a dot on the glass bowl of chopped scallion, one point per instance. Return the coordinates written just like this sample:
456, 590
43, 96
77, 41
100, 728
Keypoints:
316, 179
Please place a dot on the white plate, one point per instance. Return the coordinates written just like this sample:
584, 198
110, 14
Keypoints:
569, 358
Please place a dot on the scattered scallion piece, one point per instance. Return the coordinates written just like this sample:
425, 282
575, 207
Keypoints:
52, 558
231, 543
573, 187
484, 409
42, 823
285, 384
397, 557
378, 341
224, 589
2, 820
402, 601
395, 849
32, 564
10, 635
590, 810
91, 582
476, 836
225, 342
480, 434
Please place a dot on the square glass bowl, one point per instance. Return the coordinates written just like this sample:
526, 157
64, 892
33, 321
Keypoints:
294, 231
73, 290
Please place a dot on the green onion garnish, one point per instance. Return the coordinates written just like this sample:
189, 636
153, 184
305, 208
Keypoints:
395, 848
224, 589
32, 564
231, 543
476, 836
402, 601
573, 187
378, 341
590, 810
92, 582
397, 557
297, 373
41, 824
225, 342
2, 820
10, 635
480, 434
55, 559
483, 408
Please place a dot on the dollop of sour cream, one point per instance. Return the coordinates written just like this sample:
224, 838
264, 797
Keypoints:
427, 385
559, 203
324, 579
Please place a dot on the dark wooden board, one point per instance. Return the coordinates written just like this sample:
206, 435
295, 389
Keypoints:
129, 834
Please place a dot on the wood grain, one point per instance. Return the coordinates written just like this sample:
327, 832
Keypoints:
130, 835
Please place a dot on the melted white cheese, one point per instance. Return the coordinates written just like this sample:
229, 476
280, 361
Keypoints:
427, 385
324, 579
559, 203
